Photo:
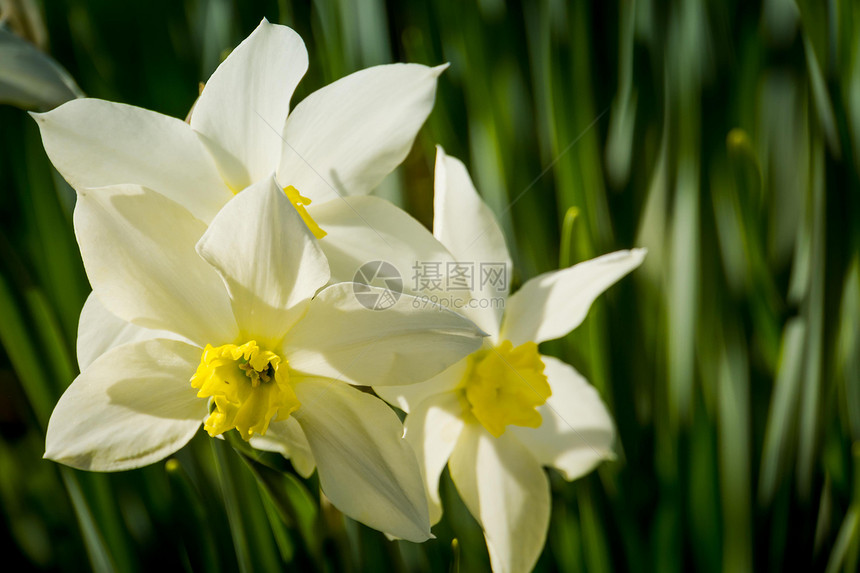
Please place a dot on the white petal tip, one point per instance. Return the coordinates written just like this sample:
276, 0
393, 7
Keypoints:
44, 116
437, 70
604, 456
414, 538
639, 255
66, 461
635, 255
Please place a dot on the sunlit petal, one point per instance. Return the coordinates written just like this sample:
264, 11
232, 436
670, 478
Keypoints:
506, 490
288, 439
269, 261
99, 331
346, 137
467, 227
365, 467
138, 250
552, 304
133, 406
95, 143
577, 432
242, 109
433, 429
341, 337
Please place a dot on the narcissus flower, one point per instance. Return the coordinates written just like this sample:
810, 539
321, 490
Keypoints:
329, 152
236, 333
497, 416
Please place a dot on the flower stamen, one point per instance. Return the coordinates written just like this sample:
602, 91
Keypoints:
300, 202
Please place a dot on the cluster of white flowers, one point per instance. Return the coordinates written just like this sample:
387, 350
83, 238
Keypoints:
218, 251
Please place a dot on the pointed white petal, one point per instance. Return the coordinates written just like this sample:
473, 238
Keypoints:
365, 229
242, 109
411, 395
346, 137
269, 261
132, 407
288, 439
365, 467
552, 304
408, 342
95, 143
138, 250
577, 432
99, 331
432, 429
506, 490
468, 228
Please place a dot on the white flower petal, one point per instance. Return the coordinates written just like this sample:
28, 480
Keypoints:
468, 228
365, 229
242, 109
577, 432
411, 395
288, 439
552, 304
95, 143
346, 137
432, 429
365, 467
133, 406
99, 331
506, 490
408, 342
268, 259
138, 250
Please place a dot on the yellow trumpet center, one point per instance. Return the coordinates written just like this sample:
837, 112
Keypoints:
248, 385
505, 385
300, 202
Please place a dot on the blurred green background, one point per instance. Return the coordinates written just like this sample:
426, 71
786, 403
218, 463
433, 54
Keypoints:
723, 136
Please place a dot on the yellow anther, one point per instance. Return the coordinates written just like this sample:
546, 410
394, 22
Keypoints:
299, 201
505, 385
249, 386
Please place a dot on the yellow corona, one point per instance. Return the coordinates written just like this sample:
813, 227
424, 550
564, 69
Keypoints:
505, 385
248, 385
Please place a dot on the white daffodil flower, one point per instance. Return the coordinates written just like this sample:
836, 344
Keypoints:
329, 152
235, 333
506, 410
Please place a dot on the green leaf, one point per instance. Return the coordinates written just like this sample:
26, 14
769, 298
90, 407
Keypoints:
30, 79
